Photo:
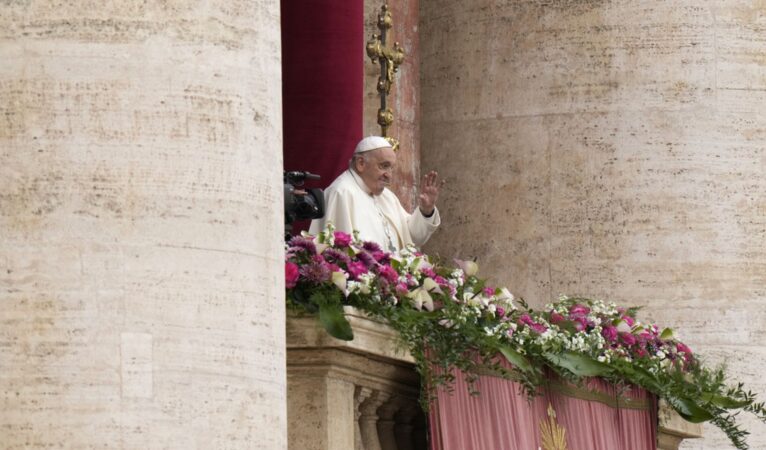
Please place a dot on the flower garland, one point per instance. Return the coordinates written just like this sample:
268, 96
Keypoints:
448, 317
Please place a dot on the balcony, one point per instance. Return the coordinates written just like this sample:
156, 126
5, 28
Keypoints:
363, 394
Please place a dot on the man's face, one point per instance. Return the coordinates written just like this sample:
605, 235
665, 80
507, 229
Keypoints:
376, 167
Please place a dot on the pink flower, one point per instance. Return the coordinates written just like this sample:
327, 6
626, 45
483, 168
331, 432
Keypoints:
388, 273
401, 289
441, 281
526, 319
356, 268
581, 323
342, 239
645, 337
291, 275
500, 311
534, 326
556, 318
489, 291
429, 272
579, 310
629, 320
641, 353
681, 347
628, 339
609, 333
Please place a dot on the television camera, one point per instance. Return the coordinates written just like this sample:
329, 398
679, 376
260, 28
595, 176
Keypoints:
301, 204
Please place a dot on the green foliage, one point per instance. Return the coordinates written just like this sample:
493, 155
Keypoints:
478, 329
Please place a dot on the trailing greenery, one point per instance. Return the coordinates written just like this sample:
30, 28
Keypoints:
448, 318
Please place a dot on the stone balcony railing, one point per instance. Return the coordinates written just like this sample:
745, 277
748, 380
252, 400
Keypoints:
363, 394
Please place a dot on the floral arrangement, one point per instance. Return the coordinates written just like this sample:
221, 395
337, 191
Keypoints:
448, 317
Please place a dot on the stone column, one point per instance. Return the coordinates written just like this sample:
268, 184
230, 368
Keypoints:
140, 225
611, 149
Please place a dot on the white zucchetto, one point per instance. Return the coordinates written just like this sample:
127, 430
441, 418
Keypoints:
371, 143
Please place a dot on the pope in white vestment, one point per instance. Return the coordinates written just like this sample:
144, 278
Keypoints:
359, 199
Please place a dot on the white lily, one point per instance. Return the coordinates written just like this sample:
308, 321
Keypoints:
505, 294
340, 279
432, 286
421, 263
470, 268
623, 327
421, 299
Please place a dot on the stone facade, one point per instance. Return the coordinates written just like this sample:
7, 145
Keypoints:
140, 224
612, 149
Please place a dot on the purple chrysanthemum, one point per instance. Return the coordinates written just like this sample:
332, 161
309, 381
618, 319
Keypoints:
336, 256
299, 242
316, 272
367, 259
371, 246
381, 257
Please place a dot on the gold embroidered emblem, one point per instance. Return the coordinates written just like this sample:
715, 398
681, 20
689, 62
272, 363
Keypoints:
552, 434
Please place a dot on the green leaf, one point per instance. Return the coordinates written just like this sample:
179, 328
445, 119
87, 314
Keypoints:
723, 401
580, 365
689, 410
332, 319
667, 333
641, 377
517, 359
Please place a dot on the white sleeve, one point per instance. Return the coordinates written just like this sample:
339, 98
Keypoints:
422, 227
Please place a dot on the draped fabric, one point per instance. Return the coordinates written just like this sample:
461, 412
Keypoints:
322, 85
596, 416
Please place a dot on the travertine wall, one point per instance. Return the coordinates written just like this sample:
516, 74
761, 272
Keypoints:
612, 149
141, 287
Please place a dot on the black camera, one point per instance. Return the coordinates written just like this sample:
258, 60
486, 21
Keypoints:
301, 204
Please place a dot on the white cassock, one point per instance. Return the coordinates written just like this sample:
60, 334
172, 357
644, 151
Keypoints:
350, 206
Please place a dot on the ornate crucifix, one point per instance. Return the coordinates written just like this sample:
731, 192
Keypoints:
389, 58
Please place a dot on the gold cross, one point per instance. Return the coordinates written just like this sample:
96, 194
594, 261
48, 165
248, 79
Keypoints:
389, 58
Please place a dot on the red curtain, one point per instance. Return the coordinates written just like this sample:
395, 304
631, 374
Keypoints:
322, 85
595, 416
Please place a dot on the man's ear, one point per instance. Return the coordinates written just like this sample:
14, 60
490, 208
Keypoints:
360, 162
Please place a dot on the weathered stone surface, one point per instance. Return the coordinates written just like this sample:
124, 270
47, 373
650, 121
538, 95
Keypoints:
611, 149
140, 225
